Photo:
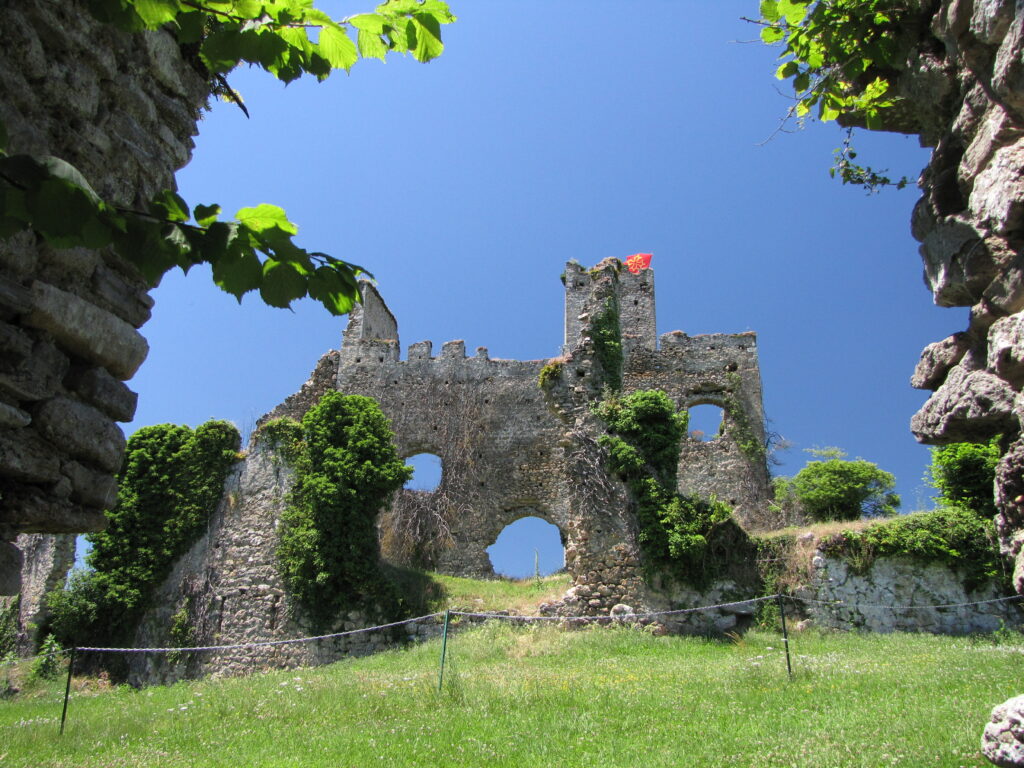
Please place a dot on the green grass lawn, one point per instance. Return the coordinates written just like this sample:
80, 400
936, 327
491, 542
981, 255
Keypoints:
542, 696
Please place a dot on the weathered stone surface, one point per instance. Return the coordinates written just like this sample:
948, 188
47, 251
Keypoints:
13, 418
83, 431
970, 406
10, 568
92, 488
24, 455
1006, 349
47, 560
99, 388
936, 361
98, 336
1002, 741
68, 80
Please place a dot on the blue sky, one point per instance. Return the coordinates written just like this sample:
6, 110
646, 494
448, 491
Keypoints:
557, 130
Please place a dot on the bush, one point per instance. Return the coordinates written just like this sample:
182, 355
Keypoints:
345, 471
965, 473
169, 486
837, 489
48, 665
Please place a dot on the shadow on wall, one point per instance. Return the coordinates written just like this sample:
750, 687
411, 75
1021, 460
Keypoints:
526, 546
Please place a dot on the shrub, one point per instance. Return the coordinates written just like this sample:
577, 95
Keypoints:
48, 665
964, 474
837, 489
608, 342
169, 486
346, 470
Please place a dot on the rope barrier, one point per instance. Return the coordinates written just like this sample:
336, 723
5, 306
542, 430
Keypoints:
261, 644
896, 606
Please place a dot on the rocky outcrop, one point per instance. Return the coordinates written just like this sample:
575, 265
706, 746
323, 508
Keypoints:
963, 85
1002, 741
121, 108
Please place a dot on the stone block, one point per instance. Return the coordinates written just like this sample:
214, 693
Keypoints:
13, 418
1006, 349
453, 350
38, 377
14, 297
124, 298
31, 509
94, 489
15, 346
968, 407
102, 390
937, 359
87, 330
83, 431
24, 455
421, 350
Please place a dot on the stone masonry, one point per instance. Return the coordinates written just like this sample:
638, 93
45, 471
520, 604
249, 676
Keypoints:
509, 448
121, 108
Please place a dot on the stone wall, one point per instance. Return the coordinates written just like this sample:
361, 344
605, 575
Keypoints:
47, 560
122, 109
963, 84
891, 594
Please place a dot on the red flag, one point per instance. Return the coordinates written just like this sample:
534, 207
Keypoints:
639, 261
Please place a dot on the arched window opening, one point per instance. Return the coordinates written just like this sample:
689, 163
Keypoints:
527, 547
426, 474
706, 421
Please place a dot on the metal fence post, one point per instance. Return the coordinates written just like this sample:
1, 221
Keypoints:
785, 634
444, 649
67, 691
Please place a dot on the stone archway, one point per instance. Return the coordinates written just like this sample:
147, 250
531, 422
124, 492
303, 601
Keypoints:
528, 546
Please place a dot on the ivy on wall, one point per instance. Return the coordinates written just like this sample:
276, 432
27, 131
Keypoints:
346, 469
170, 484
608, 342
643, 445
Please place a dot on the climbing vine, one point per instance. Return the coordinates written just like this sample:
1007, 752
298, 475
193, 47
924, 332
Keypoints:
169, 486
346, 470
608, 342
643, 444
742, 431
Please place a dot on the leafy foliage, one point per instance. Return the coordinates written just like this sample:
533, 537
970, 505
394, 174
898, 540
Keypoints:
608, 342
549, 374
643, 450
170, 484
837, 489
346, 471
965, 473
840, 57
48, 665
255, 251
957, 537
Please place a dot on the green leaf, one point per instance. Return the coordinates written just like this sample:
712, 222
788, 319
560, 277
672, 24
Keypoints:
328, 286
770, 10
282, 284
238, 274
191, 27
222, 50
801, 82
428, 37
205, 215
370, 22
170, 206
788, 69
371, 46
771, 35
265, 216
155, 13
338, 48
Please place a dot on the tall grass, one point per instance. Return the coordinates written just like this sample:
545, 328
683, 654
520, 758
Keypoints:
542, 696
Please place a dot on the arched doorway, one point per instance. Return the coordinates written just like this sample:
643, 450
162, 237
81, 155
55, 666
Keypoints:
527, 547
